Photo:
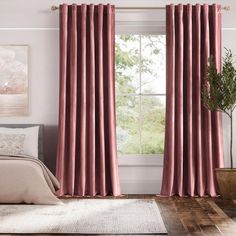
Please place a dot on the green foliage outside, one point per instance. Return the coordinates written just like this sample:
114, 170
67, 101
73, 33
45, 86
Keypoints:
140, 67
219, 91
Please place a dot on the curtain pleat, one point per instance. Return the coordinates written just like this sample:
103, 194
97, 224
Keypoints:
87, 158
193, 136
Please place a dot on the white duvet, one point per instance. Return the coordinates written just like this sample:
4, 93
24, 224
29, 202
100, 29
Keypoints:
26, 180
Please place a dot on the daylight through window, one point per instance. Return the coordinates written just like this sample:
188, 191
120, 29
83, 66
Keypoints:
140, 93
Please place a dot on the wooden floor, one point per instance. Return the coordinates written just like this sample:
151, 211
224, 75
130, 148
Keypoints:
195, 216
198, 216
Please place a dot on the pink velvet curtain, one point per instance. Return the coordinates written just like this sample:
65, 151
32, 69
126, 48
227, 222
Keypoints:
193, 141
86, 159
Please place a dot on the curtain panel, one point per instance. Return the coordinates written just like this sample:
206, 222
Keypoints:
87, 154
193, 135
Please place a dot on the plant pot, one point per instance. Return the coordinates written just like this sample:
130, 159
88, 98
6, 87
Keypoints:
226, 179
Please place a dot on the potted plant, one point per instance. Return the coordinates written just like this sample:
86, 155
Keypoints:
219, 94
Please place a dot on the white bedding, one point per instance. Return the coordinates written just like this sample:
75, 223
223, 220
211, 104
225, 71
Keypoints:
26, 180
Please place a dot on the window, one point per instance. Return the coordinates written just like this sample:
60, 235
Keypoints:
140, 93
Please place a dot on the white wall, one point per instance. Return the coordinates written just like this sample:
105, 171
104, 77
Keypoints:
31, 22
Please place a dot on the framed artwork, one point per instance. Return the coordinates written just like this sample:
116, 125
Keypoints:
13, 80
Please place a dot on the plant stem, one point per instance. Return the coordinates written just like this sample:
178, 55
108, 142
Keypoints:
231, 140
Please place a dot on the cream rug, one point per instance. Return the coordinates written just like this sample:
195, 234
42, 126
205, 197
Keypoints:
84, 216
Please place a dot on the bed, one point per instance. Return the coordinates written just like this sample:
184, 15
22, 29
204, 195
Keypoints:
25, 178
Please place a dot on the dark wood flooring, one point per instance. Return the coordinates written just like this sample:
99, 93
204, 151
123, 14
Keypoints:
195, 216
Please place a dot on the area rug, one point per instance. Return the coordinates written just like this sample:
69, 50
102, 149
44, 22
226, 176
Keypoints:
84, 216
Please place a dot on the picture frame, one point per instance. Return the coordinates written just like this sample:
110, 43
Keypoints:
14, 81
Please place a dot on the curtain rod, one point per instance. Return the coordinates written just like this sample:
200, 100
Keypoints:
226, 8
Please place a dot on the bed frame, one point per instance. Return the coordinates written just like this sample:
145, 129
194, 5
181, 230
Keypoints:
40, 142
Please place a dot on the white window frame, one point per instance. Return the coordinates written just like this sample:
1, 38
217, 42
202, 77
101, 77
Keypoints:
141, 27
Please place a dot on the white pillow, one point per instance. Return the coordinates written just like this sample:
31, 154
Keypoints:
30, 147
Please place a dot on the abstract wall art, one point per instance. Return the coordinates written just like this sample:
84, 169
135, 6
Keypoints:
13, 80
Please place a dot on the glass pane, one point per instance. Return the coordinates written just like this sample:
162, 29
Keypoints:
153, 64
127, 58
152, 124
127, 124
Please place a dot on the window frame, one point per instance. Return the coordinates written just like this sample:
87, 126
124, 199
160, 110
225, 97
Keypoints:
141, 28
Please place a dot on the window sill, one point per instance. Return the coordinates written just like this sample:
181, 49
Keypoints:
140, 160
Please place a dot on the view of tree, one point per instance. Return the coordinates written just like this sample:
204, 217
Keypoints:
140, 89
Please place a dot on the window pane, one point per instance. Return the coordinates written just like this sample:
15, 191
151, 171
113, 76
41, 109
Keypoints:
140, 70
127, 126
152, 124
153, 64
127, 59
